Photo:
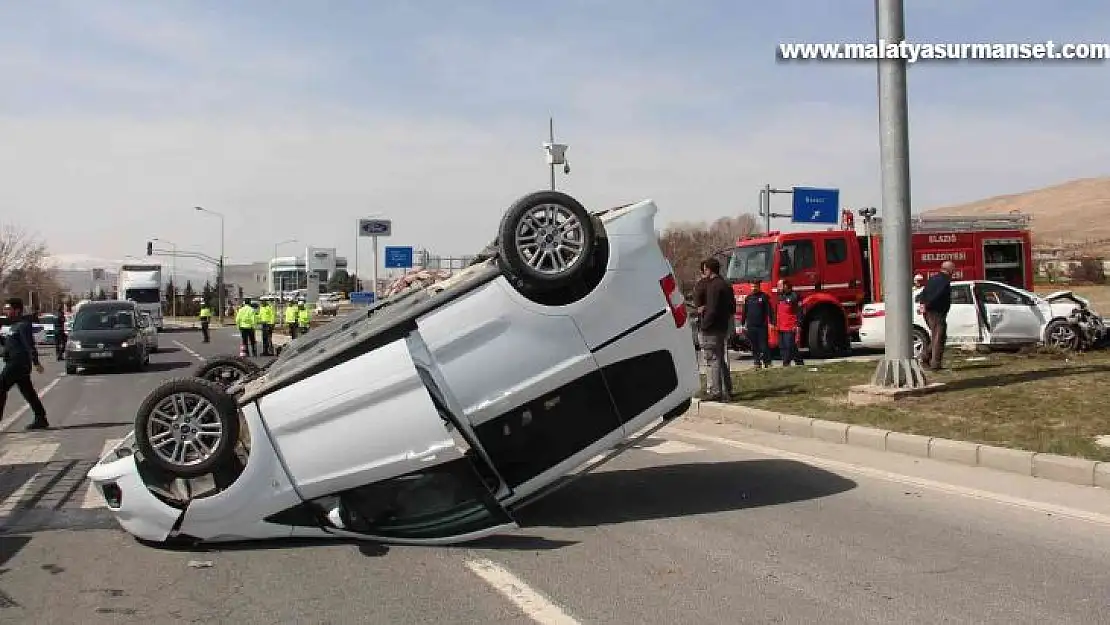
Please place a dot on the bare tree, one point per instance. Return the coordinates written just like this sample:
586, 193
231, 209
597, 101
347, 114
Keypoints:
686, 245
24, 268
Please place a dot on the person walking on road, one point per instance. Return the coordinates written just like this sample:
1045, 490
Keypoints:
205, 316
935, 300
716, 305
267, 318
291, 319
60, 333
757, 316
246, 319
787, 313
20, 357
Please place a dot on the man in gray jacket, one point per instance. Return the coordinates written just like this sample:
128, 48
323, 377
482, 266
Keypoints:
20, 357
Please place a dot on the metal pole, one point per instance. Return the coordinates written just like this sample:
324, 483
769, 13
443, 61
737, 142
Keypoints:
551, 133
173, 280
358, 234
375, 289
766, 207
220, 278
898, 368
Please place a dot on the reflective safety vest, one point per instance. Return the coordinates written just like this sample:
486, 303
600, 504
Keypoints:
205, 313
302, 317
246, 318
290, 314
266, 314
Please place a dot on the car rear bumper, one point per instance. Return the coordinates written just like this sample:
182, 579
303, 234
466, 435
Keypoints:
136, 509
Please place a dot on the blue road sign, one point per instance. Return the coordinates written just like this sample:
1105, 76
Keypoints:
362, 297
397, 257
816, 206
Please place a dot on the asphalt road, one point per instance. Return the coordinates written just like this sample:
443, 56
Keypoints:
703, 524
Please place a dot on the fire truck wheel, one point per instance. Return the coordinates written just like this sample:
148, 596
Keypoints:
822, 336
920, 342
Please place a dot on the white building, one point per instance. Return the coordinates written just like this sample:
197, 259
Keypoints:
289, 273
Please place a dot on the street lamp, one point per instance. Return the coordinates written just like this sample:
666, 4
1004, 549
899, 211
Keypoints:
281, 287
220, 267
173, 273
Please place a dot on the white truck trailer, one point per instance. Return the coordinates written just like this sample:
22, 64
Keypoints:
142, 284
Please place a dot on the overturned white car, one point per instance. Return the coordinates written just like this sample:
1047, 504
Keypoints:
433, 415
987, 313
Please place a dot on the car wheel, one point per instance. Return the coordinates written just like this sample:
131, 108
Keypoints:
920, 342
546, 240
227, 370
1062, 335
187, 427
71, 369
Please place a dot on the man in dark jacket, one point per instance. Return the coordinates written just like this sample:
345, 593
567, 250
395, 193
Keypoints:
757, 315
715, 308
936, 299
20, 357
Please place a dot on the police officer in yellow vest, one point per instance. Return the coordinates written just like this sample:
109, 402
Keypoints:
267, 317
205, 318
246, 318
303, 317
291, 319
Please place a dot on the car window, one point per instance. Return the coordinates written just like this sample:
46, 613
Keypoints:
109, 319
750, 262
801, 255
961, 294
836, 251
998, 294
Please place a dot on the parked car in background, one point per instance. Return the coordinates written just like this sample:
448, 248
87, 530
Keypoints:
107, 334
431, 416
327, 304
46, 327
988, 313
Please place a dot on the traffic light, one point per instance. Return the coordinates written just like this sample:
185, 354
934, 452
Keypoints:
150, 248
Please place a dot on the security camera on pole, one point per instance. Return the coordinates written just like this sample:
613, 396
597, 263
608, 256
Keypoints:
556, 152
373, 228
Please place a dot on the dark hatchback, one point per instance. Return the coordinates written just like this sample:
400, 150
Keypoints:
106, 334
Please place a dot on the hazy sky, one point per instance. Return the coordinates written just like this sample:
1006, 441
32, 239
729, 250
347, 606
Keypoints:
294, 118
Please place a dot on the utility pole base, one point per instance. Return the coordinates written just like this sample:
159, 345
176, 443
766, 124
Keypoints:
899, 373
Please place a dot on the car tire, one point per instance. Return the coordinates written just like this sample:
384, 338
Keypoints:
521, 257
187, 409
226, 370
920, 342
71, 369
1061, 334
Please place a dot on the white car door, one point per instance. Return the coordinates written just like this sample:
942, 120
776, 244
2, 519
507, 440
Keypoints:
1011, 316
366, 434
964, 325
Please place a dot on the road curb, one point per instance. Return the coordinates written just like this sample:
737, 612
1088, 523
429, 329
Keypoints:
1052, 467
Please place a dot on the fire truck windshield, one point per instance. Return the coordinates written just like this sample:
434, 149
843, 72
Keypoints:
749, 262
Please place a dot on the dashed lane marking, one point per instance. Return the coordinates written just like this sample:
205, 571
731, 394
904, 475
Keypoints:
7, 424
31, 453
189, 350
92, 495
669, 447
531, 602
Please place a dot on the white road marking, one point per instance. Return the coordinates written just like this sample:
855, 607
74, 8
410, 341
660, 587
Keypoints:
532, 603
6, 425
26, 454
92, 495
189, 350
890, 476
672, 447
29, 452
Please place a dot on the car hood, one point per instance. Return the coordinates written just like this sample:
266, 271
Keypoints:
103, 335
1066, 295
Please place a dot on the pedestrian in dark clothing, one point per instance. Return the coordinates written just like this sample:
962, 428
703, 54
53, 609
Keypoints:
757, 316
20, 357
60, 333
936, 300
788, 312
716, 305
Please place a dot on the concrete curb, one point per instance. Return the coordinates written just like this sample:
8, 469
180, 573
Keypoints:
1044, 466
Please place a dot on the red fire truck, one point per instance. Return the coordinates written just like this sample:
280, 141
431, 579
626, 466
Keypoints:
837, 271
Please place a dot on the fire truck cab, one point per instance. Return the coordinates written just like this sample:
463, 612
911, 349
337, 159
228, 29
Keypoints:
837, 271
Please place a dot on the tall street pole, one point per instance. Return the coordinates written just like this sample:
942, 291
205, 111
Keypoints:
220, 266
551, 133
898, 368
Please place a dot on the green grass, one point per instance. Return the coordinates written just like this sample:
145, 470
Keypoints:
1037, 400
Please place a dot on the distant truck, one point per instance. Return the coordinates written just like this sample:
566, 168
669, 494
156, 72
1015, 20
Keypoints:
142, 284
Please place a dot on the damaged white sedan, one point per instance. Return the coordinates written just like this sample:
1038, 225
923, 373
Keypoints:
435, 414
